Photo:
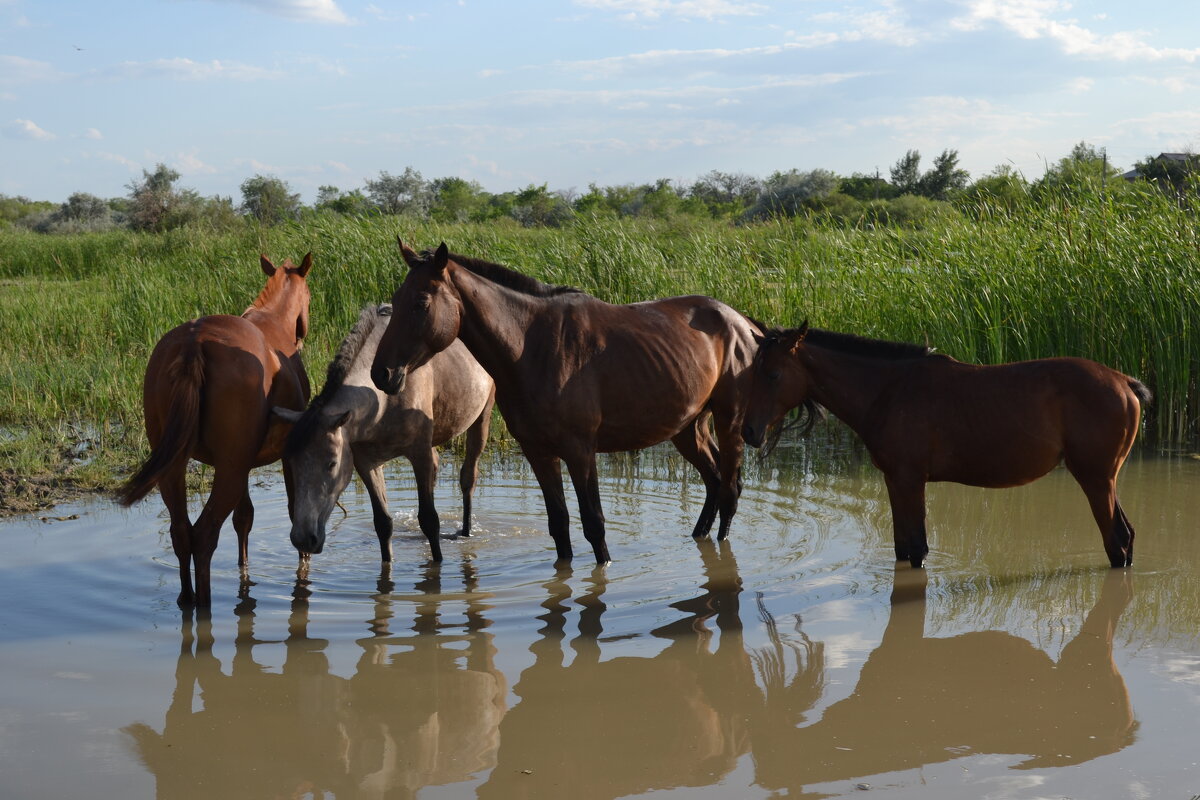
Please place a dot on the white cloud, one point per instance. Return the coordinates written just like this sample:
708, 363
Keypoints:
14, 70
1080, 85
883, 25
27, 129
685, 9
1035, 19
186, 69
657, 59
92, 133
324, 11
190, 164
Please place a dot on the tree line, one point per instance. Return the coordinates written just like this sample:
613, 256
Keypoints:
908, 196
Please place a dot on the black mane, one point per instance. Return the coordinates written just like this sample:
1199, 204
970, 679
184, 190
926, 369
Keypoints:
335, 375
508, 278
852, 344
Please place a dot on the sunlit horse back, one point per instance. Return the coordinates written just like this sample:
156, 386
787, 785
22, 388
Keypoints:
208, 393
926, 417
576, 376
351, 426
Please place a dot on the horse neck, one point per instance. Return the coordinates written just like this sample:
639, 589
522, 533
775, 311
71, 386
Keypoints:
275, 314
495, 320
846, 384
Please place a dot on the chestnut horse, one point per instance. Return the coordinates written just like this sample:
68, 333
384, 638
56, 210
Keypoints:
926, 417
208, 393
576, 376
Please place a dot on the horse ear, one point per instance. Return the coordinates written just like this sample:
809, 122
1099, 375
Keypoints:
305, 265
267, 266
410, 256
339, 420
797, 336
440, 259
287, 414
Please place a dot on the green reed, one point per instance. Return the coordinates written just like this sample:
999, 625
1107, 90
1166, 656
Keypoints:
1111, 276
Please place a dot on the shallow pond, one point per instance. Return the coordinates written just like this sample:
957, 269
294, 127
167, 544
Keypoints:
795, 660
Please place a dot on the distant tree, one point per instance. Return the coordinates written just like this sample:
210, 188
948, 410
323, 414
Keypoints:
537, 206
156, 205
786, 194
864, 187
1086, 169
352, 204
945, 178
456, 200
725, 194
269, 200
1171, 175
401, 194
906, 173
22, 210
82, 213
1003, 189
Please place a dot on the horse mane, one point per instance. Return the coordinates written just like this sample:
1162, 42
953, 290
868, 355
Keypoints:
508, 278
852, 344
344, 359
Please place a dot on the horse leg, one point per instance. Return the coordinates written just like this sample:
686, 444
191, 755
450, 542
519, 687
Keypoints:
243, 520
425, 465
548, 471
372, 478
230, 485
477, 436
907, 498
730, 449
173, 489
1114, 526
696, 445
591, 513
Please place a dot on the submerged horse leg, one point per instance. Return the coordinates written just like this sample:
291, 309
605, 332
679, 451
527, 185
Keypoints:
425, 466
548, 471
591, 513
173, 489
230, 486
907, 497
1114, 526
372, 478
696, 445
477, 436
243, 520
731, 447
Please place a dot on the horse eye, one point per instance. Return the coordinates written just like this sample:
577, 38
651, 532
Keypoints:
331, 466
773, 376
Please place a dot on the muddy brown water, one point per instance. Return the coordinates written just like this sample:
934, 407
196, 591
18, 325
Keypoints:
795, 660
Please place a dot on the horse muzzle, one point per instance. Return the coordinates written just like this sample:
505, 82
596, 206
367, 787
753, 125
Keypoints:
308, 543
389, 380
752, 435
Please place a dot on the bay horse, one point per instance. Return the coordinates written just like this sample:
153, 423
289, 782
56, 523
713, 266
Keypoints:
209, 389
351, 426
927, 417
576, 376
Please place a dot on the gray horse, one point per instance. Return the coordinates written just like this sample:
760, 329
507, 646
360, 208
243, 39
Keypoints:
353, 424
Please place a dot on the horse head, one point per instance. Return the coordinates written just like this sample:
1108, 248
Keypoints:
321, 463
426, 317
779, 382
286, 294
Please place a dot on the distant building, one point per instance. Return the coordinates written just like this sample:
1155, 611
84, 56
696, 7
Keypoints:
1182, 158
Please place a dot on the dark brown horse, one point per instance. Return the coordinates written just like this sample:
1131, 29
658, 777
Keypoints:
208, 393
926, 417
576, 376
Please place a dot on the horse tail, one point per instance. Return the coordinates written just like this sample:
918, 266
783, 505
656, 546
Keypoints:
185, 374
1141, 391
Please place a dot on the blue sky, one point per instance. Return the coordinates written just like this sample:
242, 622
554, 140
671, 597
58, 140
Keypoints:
572, 92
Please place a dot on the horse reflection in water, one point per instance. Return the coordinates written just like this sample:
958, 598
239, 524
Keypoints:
628, 725
922, 700
429, 707
415, 713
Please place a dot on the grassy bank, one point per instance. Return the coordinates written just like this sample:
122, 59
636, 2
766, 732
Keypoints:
1113, 278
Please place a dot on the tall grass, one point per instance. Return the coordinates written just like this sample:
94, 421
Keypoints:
1113, 277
